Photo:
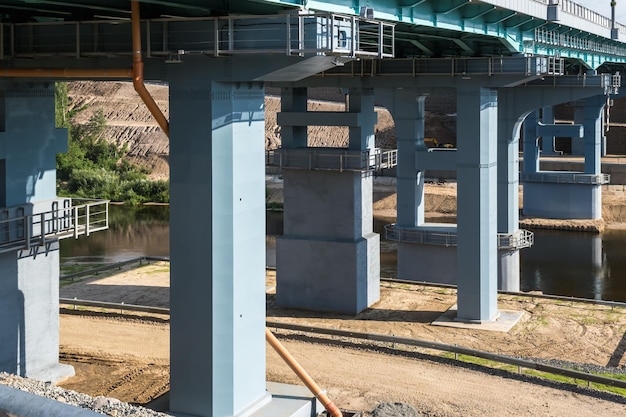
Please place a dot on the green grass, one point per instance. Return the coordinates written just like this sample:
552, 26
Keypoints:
541, 374
274, 206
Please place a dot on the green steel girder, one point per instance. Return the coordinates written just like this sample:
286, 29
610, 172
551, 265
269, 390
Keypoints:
462, 27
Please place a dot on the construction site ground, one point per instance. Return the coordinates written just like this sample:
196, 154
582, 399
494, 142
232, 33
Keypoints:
126, 355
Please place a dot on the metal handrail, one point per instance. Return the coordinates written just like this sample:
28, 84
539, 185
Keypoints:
420, 236
24, 231
564, 40
506, 241
313, 33
522, 363
332, 159
520, 239
563, 177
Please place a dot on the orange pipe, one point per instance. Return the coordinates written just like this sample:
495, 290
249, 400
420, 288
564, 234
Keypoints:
67, 72
138, 83
302, 374
136, 73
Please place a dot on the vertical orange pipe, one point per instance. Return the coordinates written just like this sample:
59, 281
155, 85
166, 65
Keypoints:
138, 71
302, 374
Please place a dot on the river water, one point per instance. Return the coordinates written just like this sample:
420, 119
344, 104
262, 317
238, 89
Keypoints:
561, 263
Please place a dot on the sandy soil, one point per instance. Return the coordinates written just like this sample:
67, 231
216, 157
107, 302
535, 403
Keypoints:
126, 355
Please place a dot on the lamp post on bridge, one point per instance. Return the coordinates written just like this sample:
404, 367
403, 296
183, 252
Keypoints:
614, 31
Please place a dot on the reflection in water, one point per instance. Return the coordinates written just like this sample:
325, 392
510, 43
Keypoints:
563, 263
133, 232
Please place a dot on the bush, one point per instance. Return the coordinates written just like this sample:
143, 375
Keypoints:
95, 168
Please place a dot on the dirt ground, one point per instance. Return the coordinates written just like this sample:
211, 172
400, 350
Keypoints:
126, 355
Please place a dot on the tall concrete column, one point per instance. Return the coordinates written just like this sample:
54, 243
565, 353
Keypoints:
329, 256
509, 124
531, 143
547, 141
217, 241
408, 117
578, 144
593, 133
477, 278
293, 99
420, 258
29, 278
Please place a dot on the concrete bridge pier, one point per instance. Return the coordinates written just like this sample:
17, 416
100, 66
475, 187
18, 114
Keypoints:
428, 251
29, 278
217, 245
328, 257
477, 276
422, 254
566, 195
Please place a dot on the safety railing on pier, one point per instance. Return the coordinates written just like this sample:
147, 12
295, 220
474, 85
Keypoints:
291, 34
333, 159
420, 236
506, 241
73, 218
520, 239
562, 177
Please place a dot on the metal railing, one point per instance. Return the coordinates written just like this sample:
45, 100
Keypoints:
520, 239
442, 347
22, 231
291, 34
565, 40
333, 159
506, 241
495, 357
565, 178
420, 236
536, 65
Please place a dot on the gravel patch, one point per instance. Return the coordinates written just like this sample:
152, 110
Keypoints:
104, 405
583, 367
396, 410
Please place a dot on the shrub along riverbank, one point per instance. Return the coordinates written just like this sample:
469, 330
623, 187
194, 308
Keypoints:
95, 168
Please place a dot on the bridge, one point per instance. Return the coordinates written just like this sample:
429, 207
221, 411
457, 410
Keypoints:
506, 62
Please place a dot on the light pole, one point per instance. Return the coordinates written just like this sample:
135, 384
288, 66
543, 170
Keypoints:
614, 31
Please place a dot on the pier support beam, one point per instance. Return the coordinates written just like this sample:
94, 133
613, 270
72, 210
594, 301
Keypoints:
217, 243
476, 204
328, 257
566, 195
29, 277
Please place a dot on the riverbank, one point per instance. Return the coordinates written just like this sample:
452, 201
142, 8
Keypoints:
440, 202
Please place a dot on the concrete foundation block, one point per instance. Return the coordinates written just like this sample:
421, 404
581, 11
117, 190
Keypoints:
30, 309
438, 265
563, 201
428, 263
508, 270
323, 275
